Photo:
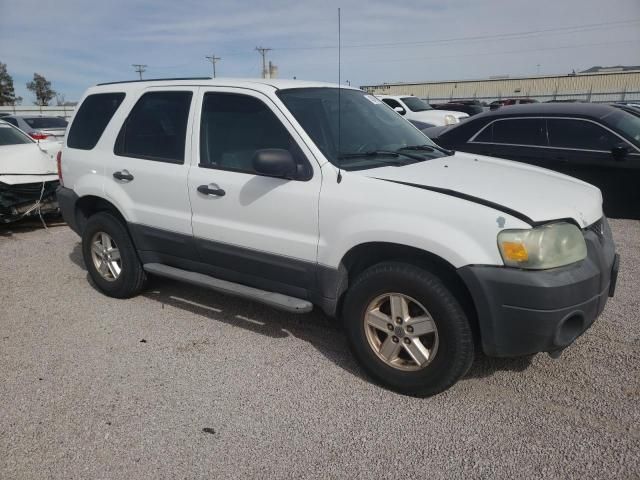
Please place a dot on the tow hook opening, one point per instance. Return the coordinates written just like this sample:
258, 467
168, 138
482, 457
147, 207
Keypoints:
555, 354
569, 329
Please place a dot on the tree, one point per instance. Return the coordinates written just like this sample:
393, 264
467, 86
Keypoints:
41, 87
7, 93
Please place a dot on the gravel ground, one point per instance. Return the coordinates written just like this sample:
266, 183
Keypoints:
93, 387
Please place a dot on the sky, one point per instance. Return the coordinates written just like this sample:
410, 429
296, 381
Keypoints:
78, 43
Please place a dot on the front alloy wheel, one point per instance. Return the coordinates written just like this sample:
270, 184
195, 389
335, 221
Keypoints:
407, 329
401, 331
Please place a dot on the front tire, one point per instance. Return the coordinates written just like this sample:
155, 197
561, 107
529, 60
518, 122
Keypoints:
111, 258
407, 330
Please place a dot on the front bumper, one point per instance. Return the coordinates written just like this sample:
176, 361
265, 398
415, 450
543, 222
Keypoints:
526, 311
27, 199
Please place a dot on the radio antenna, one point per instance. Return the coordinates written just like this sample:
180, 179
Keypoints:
339, 178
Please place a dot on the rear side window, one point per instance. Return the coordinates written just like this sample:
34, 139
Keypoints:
579, 134
92, 118
529, 131
46, 122
156, 128
12, 121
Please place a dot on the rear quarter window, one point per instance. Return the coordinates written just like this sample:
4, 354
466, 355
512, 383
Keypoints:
46, 122
92, 118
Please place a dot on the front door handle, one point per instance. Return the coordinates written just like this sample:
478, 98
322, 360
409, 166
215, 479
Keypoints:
211, 189
123, 175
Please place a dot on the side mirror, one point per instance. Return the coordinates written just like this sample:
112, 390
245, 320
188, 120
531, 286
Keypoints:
275, 162
399, 110
619, 152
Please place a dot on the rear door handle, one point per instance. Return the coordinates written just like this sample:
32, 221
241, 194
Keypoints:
211, 189
123, 175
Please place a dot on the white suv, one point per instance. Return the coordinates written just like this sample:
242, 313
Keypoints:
415, 109
273, 191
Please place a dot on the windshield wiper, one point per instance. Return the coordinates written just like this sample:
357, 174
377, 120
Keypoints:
381, 153
371, 153
427, 148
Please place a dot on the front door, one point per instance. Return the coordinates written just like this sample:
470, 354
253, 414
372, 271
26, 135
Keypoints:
249, 228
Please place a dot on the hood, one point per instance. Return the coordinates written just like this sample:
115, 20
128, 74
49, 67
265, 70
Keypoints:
530, 193
24, 160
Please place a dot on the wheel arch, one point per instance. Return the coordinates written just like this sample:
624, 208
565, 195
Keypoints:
91, 204
365, 255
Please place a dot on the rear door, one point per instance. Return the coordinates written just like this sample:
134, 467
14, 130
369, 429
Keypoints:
257, 230
146, 175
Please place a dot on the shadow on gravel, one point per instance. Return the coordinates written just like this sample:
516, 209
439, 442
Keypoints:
29, 225
324, 333
484, 366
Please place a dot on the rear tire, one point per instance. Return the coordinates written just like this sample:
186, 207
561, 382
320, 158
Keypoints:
413, 365
111, 258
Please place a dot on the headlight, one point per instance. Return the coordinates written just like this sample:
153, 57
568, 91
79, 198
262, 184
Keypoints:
450, 120
548, 246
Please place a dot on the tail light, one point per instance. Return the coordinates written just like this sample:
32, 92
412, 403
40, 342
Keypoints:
38, 135
59, 163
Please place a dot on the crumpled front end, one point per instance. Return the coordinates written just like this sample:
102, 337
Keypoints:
27, 199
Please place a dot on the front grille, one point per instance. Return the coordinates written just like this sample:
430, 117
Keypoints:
597, 228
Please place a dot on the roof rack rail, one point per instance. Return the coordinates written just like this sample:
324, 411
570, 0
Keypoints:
154, 80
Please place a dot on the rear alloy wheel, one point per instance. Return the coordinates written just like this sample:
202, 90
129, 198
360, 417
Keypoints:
407, 329
106, 256
110, 257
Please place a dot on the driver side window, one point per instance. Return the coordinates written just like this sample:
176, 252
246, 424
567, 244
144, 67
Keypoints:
234, 126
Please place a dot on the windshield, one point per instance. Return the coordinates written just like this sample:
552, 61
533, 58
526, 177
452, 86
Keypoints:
627, 123
11, 136
415, 104
370, 131
46, 122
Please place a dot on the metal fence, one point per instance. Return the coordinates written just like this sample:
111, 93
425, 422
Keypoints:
51, 110
593, 97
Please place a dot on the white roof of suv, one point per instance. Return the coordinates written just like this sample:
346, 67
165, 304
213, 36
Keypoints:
253, 83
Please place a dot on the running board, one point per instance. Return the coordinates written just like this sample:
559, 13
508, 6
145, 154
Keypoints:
277, 300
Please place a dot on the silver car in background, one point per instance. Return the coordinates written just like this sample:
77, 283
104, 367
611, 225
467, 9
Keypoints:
39, 127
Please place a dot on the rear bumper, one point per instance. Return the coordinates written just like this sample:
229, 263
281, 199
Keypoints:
522, 311
67, 199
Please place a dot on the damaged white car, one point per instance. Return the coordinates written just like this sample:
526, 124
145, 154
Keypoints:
28, 175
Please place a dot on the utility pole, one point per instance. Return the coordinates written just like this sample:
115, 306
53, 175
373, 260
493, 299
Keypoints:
213, 59
263, 51
140, 68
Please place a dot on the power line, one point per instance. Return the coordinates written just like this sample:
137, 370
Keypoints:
140, 68
263, 51
213, 59
531, 50
574, 29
